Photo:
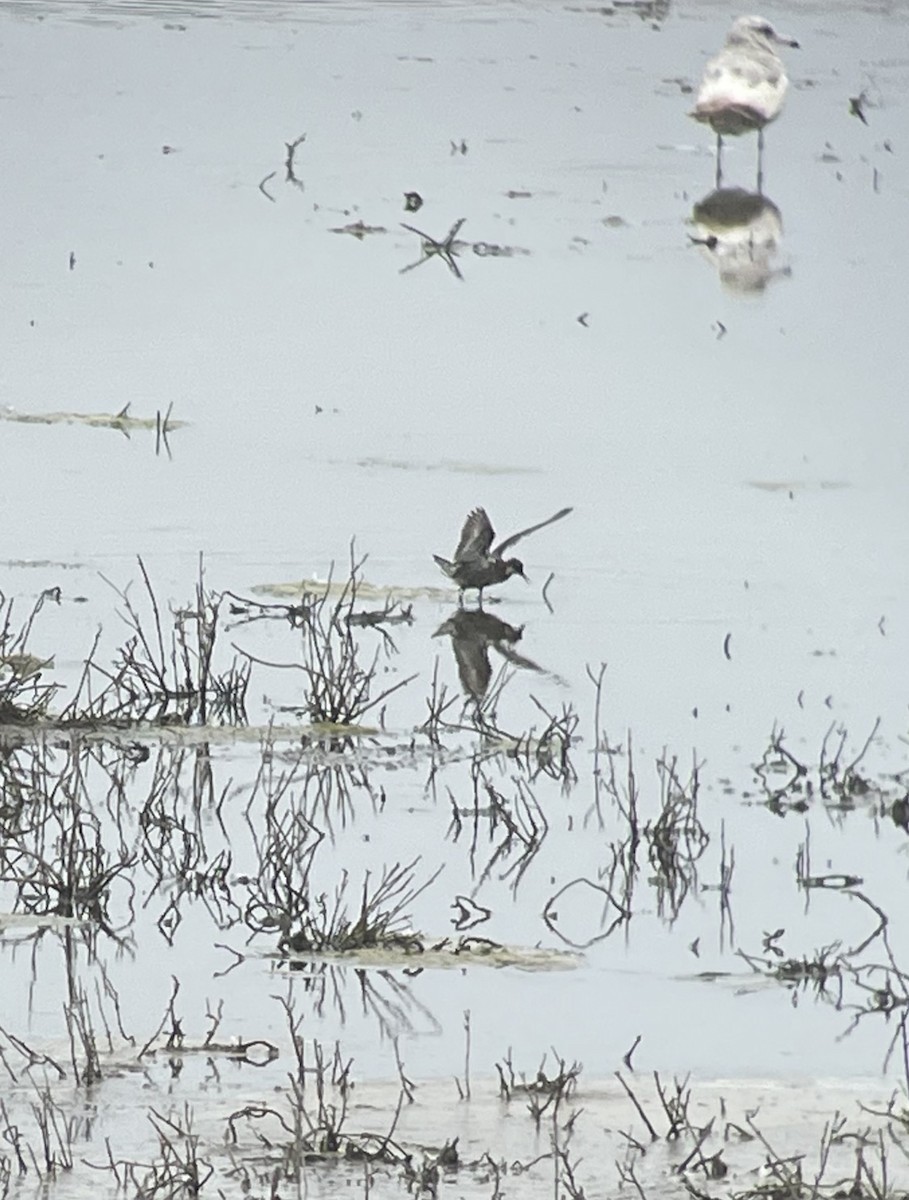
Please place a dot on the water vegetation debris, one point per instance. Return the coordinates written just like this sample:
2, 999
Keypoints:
162, 422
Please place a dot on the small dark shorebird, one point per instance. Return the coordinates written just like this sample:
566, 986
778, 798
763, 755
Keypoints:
476, 564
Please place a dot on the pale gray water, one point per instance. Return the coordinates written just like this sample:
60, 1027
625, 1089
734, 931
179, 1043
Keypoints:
737, 460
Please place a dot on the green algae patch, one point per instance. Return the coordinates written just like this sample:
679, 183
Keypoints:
121, 420
24, 666
336, 729
54, 921
448, 954
42, 564
365, 590
798, 485
173, 733
448, 466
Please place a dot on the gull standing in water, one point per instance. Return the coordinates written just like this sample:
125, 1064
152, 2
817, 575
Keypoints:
476, 564
743, 86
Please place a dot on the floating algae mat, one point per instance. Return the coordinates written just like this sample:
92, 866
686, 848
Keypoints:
121, 420
317, 737
447, 954
447, 465
365, 590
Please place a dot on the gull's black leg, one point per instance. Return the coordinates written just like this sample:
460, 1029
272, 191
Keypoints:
760, 171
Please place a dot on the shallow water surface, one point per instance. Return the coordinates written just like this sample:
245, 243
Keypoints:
222, 340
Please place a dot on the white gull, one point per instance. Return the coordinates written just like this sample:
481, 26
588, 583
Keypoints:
744, 86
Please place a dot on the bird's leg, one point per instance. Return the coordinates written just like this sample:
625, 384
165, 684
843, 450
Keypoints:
480, 597
760, 171
460, 597
719, 161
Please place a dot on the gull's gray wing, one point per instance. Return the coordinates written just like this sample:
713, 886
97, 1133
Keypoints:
516, 537
476, 536
754, 69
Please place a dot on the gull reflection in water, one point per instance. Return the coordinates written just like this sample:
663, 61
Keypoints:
740, 233
473, 632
